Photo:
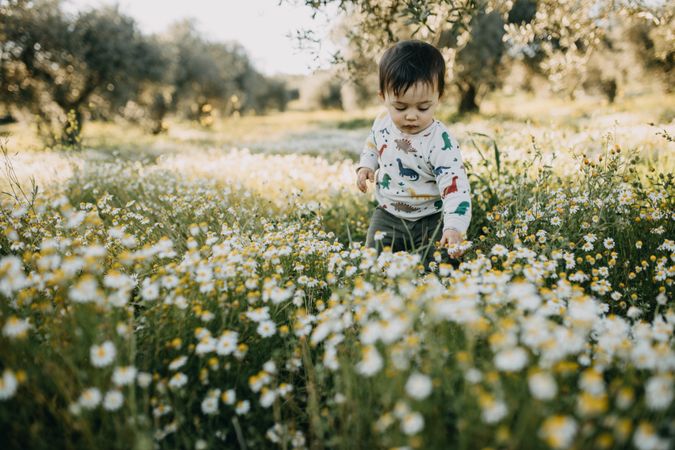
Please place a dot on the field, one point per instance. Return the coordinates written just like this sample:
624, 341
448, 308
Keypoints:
209, 288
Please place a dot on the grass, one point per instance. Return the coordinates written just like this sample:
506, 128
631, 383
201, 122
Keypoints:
212, 270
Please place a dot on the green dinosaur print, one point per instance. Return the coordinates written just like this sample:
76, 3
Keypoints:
385, 181
438, 204
462, 208
446, 140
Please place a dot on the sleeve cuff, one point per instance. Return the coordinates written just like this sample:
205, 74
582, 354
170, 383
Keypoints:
454, 224
366, 165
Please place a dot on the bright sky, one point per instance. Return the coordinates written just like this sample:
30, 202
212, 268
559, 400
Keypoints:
261, 26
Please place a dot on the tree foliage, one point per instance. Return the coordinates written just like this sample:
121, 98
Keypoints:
63, 68
654, 37
53, 64
556, 37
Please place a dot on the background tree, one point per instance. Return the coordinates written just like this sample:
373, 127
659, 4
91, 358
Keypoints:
557, 38
96, 64
478, 67
613, 63
31, 32
216, 74
59, 65
571, 37
653, 35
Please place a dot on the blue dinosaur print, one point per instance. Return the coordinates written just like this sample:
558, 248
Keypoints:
407, 172
439, 170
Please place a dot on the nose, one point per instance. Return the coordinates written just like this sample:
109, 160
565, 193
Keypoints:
410, 116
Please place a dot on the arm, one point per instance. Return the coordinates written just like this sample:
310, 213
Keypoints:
369, 154
452, 182
368, 162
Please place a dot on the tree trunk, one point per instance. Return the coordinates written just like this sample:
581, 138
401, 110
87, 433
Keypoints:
71, 135
610, 89
468, 102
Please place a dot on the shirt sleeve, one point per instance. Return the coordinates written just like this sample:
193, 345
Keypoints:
369, 155
452, 180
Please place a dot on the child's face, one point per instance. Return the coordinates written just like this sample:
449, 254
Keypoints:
413, 110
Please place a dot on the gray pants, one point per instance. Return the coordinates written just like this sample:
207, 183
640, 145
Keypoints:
414, 236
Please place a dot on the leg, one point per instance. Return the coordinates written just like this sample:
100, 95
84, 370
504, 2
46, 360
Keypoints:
429, 231
394, 229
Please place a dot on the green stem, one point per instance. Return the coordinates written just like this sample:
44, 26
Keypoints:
312, 399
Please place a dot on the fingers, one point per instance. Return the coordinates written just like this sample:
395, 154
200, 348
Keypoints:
455, 253
362, 177
453, 249
361, 183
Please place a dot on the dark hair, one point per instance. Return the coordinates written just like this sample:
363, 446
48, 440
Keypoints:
408, 62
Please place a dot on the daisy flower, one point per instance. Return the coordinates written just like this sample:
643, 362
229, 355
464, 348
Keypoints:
15, 327
266, 328
229, 397
8, 385
511, 360
558, 431
102, 355
542, 386
113, 400
418, 386
123, 376
227, 342
178, 380
371, 363
412, 423
90, 398
243, 406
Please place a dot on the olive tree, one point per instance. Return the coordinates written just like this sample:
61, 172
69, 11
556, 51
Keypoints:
557, 36
60, 67
207, 75
653, 36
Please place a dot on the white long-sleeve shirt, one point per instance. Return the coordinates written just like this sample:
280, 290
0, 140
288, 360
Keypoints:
419, 174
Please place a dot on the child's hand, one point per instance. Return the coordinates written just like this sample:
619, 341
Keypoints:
362, 175
450, 237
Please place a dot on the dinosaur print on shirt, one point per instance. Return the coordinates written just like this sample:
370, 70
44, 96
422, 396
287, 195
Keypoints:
439, 170
407, 172
385, 181
462, 208
400, 206
450, 189
446, 141
405, 145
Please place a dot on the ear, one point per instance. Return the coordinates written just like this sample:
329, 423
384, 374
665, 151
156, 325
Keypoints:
381, 95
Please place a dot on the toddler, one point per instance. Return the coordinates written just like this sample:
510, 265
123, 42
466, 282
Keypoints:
421, 188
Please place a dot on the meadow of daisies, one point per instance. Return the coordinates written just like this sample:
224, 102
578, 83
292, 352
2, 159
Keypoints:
221, 297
